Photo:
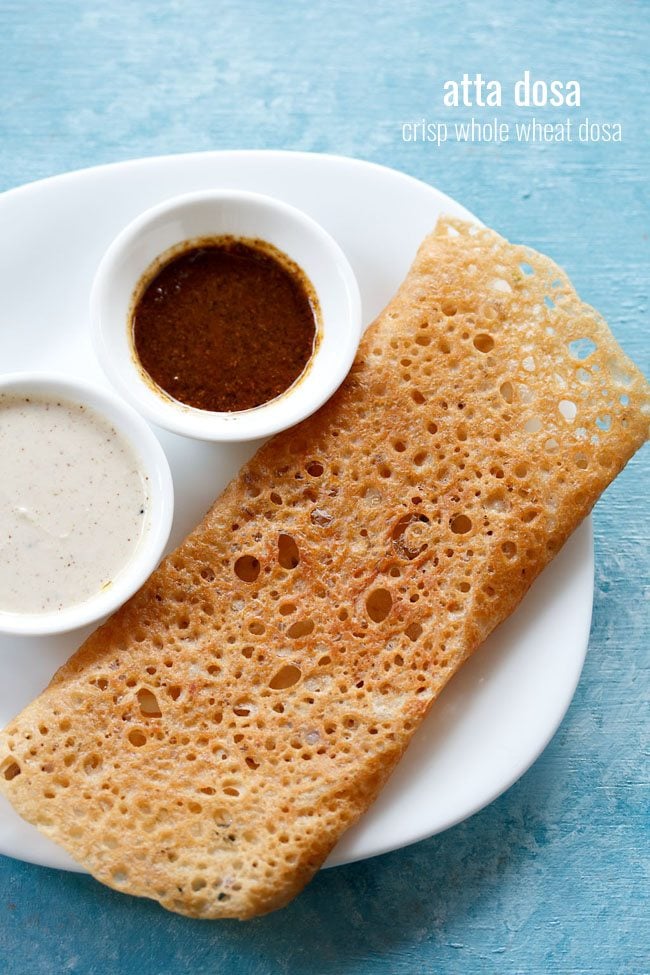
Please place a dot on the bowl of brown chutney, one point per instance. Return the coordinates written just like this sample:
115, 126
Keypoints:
225, 315
225, 324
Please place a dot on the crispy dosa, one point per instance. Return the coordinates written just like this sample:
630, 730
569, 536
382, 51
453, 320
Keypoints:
208, 745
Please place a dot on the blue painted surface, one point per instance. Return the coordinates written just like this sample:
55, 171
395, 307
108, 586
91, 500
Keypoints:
550, 877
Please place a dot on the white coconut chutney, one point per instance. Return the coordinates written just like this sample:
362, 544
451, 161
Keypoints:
74, 503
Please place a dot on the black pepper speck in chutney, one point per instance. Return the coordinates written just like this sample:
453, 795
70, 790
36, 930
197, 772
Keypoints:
225, 325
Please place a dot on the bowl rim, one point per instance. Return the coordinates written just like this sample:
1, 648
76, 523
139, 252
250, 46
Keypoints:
153, 460
220, 426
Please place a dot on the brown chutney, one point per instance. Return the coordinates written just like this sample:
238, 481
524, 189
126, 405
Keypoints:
224, 324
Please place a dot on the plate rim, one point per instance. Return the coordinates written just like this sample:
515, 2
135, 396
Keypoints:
136, 161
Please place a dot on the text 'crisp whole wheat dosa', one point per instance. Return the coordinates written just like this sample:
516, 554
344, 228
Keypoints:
209, 744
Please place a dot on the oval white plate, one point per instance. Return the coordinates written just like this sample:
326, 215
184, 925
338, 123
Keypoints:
496, 717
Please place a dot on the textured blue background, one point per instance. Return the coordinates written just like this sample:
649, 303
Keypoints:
550, 877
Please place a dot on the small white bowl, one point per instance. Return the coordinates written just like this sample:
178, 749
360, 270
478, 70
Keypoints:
154, 464
213, 214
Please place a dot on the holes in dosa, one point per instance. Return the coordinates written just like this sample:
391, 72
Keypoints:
568, 409
91, 764
460, 524
288, 554
286, 677
408, 536
483, 342
379, 604
137, 738
314, 469
529, 515
500, 284
148, 703
582, 348
247, 568
10, 770
533, 425
496, 501
413, 631
300, 628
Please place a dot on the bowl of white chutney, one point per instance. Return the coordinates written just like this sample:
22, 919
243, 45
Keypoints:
86, 503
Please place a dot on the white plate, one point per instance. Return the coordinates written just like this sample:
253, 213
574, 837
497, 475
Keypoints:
496, 717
